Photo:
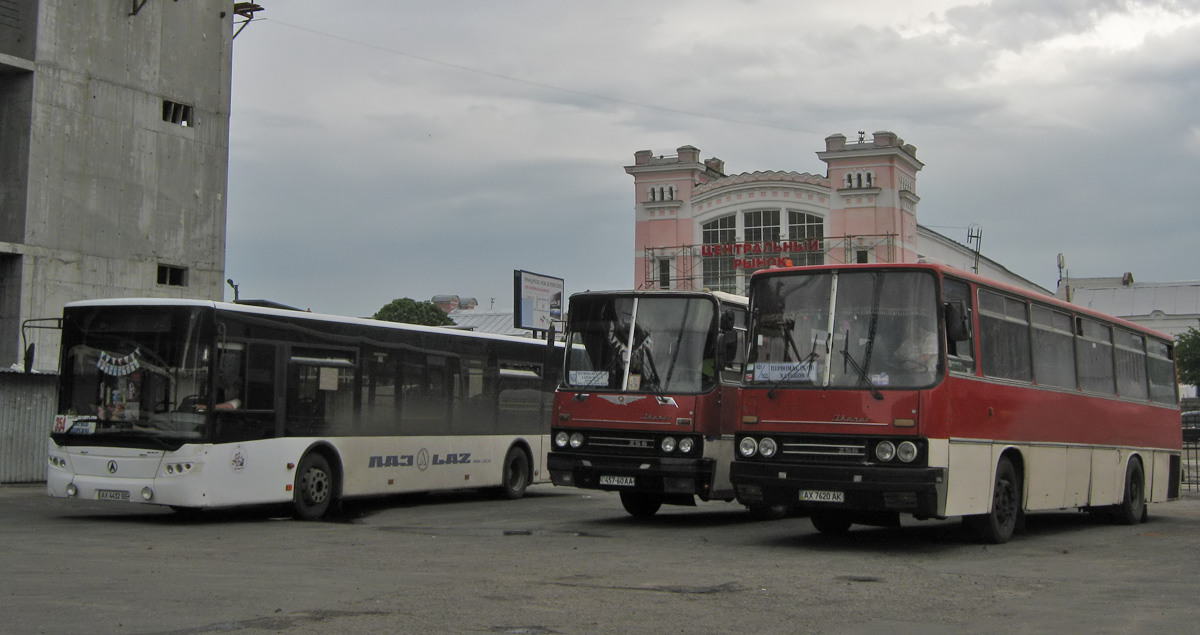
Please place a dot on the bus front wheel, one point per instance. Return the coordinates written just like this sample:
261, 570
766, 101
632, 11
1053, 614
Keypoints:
998, 525
831, 523
1132, 509
640, 504
515, 476
314, 487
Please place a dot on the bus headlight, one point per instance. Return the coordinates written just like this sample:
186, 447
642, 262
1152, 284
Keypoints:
885, 451
576, 440
147, 493
767, 447
667, 444
562, 439
748, 446
72, 490
687, 444
906, 451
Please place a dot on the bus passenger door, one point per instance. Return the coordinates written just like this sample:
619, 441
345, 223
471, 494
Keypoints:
245, 392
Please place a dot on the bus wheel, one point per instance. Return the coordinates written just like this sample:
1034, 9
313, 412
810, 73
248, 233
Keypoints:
997, 526
768, 512
831, 522
515, 477
639, 504
314, 487
1133, 505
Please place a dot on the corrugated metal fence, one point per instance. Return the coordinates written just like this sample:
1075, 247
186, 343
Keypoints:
27, 406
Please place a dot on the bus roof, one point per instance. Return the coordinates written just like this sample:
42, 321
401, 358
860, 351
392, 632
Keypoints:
719, 295
251, 309
948, 270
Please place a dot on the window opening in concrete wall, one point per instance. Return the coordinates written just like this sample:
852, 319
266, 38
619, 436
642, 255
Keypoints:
176, 113
172, 276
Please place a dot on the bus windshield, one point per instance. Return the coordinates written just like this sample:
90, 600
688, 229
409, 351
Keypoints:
845, 329
661, 345
138, 378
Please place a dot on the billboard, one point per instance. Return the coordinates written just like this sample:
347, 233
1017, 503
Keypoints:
538, 300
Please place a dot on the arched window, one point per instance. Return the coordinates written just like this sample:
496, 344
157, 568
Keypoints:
870, 179
807, 232
858, 180
651, 194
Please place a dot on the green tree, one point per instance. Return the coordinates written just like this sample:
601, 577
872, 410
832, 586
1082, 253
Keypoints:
411, 311
1187, 356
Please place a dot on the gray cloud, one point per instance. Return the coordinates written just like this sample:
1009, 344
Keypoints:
387, 150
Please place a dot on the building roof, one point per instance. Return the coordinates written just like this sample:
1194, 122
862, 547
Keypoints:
1137, 299
488, 321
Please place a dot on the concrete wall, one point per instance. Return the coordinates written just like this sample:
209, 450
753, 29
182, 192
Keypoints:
111, 191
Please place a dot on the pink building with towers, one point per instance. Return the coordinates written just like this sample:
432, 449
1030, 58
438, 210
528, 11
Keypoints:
700, 228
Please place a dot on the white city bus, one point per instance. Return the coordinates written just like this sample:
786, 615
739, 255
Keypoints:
195, 404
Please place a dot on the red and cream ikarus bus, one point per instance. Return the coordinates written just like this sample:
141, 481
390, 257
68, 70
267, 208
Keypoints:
649, 396
873, 391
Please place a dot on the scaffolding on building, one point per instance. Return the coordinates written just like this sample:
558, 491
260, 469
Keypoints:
681, 267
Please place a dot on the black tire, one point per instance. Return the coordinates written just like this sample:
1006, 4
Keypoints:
314, 487
1132, 508
831, 523
640, 504
769, 512
189, 513
997, 526
514, 478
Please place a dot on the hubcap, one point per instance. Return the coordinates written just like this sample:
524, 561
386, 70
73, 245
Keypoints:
316, 486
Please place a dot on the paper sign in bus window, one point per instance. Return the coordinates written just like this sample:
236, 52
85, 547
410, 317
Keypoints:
785, 371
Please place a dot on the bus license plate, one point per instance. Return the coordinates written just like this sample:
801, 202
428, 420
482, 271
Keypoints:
621, 481
821, 496
112, 495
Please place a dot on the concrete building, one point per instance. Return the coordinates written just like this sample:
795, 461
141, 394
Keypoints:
114, 138
700, 228
1170, 307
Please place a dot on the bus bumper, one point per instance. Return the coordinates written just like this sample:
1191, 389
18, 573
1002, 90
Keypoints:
150, 491
651, 475
917, 491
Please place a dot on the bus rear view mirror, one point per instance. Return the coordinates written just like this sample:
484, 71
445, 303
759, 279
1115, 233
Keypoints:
958, 321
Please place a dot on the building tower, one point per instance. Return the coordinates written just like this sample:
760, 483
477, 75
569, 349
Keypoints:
873, 203
114, 143
663, 187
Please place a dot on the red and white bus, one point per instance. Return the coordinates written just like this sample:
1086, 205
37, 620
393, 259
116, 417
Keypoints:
873, 391
193, 404
649, 396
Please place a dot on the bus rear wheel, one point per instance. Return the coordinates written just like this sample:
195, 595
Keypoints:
515, 476
1132, 509
314, 487
640, 504
998, 525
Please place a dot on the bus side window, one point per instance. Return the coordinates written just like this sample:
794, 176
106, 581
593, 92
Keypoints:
320, 393
425, 391
960, 343
380, 406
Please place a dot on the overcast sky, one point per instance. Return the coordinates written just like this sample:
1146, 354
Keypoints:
382, 149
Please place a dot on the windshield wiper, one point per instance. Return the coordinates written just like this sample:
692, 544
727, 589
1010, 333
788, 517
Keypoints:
805, 364
860, 370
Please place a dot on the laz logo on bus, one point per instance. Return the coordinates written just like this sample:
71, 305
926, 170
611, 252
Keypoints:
421, 460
